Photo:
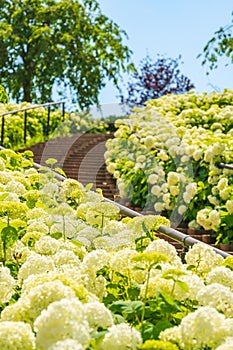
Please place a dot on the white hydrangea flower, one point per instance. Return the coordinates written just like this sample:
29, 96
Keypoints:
113, 227
37, 225
16, 336
153, 179
15, 187
156, 190
35, 264
163, 155
30, 305
221, 275
50, 189
208, 155
174, 190
173, 335
209, 219
121, 337
95, 260
229, 206
162, 246
222, 184
37, 213
172, 178
63, 319
11, 197
65, 226
89, 233
182, 209
226, 345
203, 258
158, 207
217, 296
224, 194
218, 148
68, 257
67, 344
7, 284
203, 328
98, 315
121, 260
213, 200
157, 283
47, 245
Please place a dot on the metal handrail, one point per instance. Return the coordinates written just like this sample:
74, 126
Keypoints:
185, 240
25, 109
225, 166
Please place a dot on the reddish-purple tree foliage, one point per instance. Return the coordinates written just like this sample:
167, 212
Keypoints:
155, 79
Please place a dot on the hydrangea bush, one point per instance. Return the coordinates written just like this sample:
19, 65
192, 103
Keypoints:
165, 158
76, 275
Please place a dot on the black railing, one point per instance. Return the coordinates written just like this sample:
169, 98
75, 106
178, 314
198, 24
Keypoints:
25, 109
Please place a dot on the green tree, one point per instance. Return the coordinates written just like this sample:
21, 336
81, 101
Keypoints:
220, 45
70, 43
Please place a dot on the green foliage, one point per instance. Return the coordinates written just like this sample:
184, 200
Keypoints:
221, 44
3, 95
63, 43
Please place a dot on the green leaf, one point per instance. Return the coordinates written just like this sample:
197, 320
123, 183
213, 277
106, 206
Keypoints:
77, 243
3, 196
98, 335
159, 327
126, 307
9, 236
56, 235
89, 186
182, 285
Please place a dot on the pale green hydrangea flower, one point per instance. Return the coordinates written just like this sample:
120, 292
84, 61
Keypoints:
62, 319
16, 336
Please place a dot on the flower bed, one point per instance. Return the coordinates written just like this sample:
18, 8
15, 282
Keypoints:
74, 275
166, 158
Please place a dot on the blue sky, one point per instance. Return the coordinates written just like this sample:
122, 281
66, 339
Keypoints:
172, 27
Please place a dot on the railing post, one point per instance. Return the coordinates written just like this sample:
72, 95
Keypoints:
63, 111
48, 122
2, 131
25, 128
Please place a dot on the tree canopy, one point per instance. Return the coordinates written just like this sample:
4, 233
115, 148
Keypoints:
154, 79
220, 45
67, 43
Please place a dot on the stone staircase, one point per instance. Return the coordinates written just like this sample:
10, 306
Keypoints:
81, 157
